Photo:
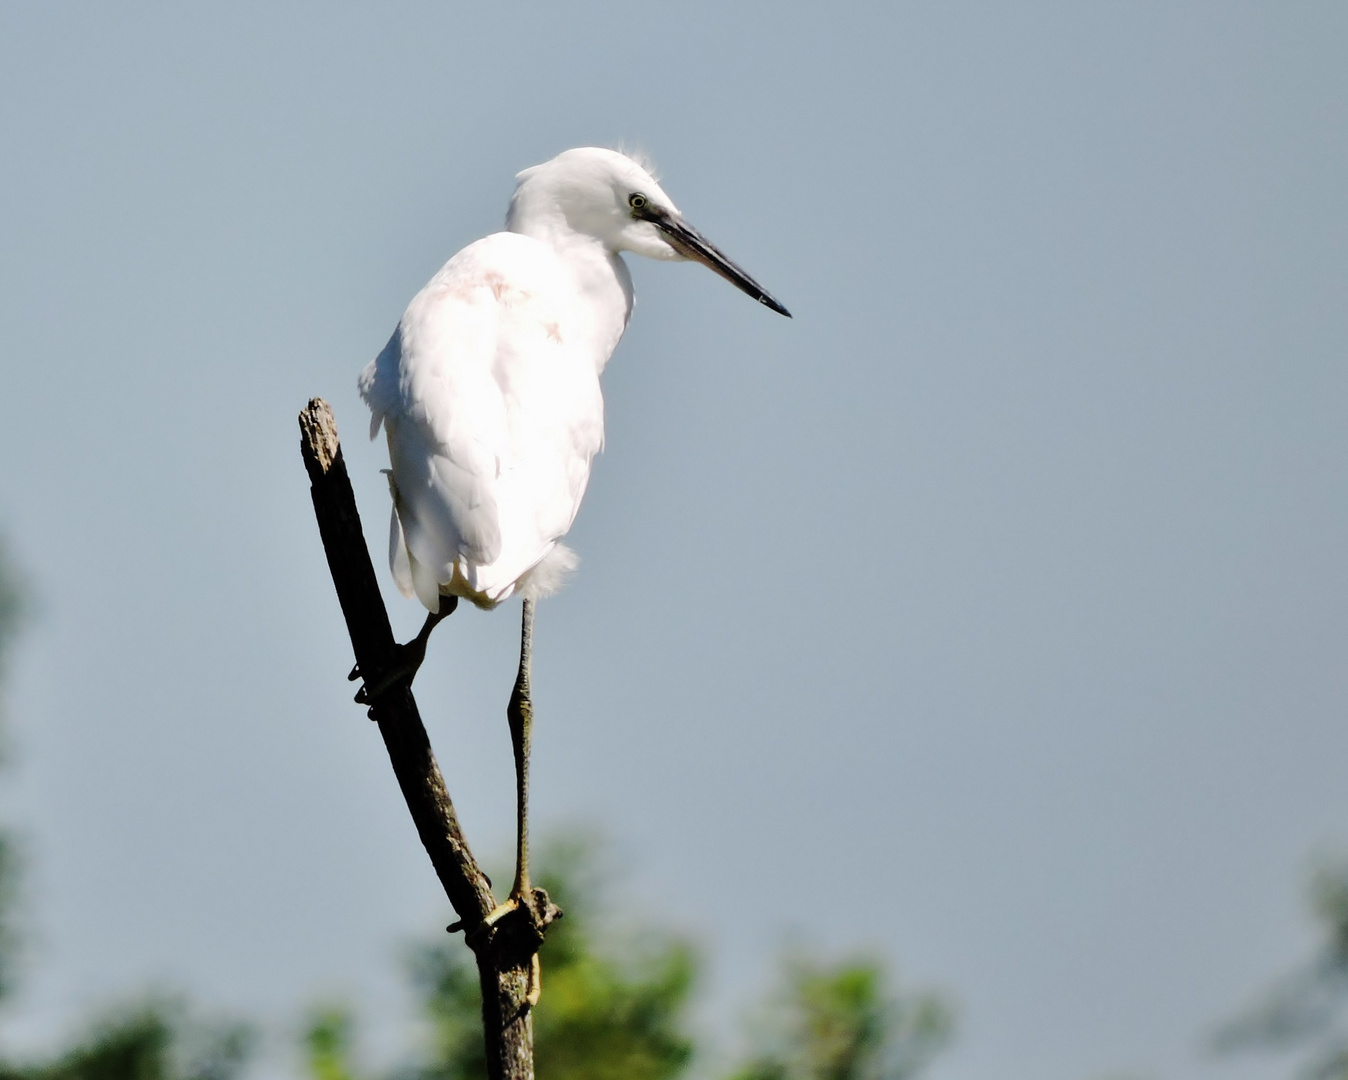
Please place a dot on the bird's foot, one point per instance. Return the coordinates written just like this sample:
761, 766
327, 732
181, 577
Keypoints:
407, 659
532, 912
406, 663
494, 916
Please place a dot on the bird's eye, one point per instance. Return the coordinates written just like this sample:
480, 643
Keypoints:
636, 200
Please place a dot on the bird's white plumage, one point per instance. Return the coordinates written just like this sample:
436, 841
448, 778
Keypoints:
488, 391
493, 412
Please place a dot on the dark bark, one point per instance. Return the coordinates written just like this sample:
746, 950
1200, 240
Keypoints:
504, 949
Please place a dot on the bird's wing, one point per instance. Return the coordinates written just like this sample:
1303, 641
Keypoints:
491, 416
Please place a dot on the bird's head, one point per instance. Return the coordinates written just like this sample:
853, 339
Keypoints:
606, 195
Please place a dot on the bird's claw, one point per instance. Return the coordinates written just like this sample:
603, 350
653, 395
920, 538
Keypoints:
535, 990
406, 664
534, 987
407, 659
492, 917
363, 695
366, 694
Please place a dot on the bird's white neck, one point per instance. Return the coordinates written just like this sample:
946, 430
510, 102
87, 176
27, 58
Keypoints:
602, 279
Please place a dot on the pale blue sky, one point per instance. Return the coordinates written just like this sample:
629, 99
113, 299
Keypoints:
992, 612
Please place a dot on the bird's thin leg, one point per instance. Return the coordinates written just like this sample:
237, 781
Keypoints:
520, 713
409, 656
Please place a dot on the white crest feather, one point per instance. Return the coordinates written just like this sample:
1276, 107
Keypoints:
641, 156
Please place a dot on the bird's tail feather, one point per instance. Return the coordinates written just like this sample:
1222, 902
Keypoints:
550, 574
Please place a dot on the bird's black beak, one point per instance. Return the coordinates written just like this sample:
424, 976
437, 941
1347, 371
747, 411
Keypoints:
691, 244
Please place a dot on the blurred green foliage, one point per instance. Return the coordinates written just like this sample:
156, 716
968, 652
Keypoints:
1307, 1009
10, 866
611, 1009
841, 1021
11, 607
328, 1040
11, 611
153, 1040
615, 1005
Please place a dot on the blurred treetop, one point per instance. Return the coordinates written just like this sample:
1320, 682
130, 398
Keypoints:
616, 1008
1307, 1009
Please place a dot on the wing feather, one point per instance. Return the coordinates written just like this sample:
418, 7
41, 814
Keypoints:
492, 418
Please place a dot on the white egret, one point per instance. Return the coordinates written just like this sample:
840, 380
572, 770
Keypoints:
488, 393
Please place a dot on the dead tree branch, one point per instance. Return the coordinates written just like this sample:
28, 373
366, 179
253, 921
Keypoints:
506, 948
